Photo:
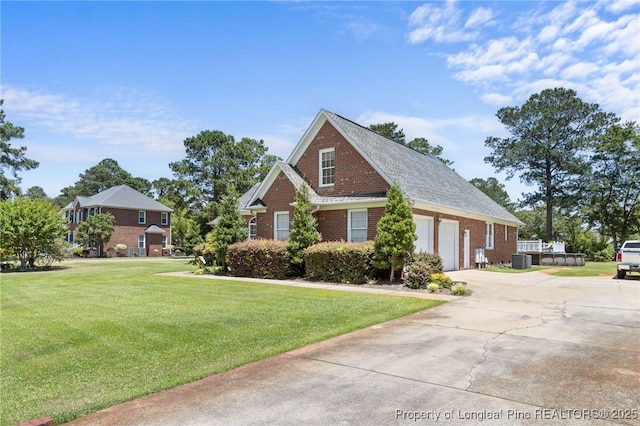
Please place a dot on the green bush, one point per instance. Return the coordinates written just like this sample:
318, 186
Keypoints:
441, 279
420, 270
433, 260
459, 290
433, 287
258, 259
341, 262
206, 250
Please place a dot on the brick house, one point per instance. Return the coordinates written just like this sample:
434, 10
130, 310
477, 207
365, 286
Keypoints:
349, 169
141, 223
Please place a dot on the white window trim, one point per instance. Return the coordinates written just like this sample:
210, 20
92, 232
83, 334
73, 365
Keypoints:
366, 225
320, 169
253, 223
143, 240
275, 224
164, 218
489, 236
142, 222
506, 233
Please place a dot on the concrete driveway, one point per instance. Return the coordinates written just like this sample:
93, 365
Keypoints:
524, 349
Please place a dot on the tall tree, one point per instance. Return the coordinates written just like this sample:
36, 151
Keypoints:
396, 233
494, 190
104, 175
36, 192
304, 232
230, 228
614, 193
12, 160
96, 231
548, 147
215, 160
29, 227
422, 145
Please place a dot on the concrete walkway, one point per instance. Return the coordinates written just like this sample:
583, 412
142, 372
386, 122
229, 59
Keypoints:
524, 349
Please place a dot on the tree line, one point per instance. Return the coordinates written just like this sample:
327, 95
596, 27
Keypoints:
579, 162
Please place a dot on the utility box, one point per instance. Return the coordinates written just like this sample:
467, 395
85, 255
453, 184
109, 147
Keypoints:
527, 261
519, 261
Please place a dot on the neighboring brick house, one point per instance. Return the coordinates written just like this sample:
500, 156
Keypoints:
349, 168
141, 223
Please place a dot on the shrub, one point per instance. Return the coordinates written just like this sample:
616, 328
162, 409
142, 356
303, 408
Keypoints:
342, 262
207, 251
434, 261
433, 287
418, 274
258, 259
441, 279
459, 290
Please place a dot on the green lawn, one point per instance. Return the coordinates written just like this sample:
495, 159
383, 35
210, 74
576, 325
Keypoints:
95, 333
590, 269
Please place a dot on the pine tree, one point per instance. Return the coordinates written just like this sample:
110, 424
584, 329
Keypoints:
303, 232
230, 227
396, 233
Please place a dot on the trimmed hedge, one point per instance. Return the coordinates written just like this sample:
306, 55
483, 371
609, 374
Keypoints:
341, 262
258, 259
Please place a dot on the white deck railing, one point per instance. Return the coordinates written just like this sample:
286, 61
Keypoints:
538, 246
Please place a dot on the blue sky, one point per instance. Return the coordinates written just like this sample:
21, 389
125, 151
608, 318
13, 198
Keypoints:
131, 80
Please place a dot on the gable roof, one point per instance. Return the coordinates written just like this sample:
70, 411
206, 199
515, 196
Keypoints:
123, 197
426, 180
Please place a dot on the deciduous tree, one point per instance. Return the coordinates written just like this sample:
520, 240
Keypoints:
494, 190
96, 231
29, 227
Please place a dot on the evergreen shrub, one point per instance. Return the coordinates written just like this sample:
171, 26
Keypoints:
258, 259
340, 262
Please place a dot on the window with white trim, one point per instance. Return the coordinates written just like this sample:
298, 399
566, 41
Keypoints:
253, 228
141, 241
164, 241
327, 166
79, 217
142, 216
506, 233
357, 226
489, 236
164, 218
281, 226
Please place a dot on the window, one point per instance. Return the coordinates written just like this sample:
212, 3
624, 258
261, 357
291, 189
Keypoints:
506, 233
141, 241
79, 217
71, 216
357, 226
164, 218
253, 228
142, 216
327, 166
489, 236
164, 241
281, 226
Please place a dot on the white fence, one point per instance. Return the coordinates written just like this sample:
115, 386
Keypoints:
538, 246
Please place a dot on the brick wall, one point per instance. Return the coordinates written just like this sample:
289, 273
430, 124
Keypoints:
278, 197
354, 175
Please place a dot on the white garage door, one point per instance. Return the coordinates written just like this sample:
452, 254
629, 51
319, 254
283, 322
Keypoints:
424, 231
448, 244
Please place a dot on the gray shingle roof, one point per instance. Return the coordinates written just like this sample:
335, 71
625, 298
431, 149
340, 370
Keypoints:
421, 177
123, 197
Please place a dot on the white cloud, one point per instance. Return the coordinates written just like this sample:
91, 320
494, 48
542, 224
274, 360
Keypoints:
479, 17
125, 118
591, 47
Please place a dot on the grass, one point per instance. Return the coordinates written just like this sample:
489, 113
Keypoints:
590, 269
96, 333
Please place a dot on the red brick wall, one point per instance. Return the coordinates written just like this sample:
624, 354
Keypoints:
127, 229
278, 197
354, 175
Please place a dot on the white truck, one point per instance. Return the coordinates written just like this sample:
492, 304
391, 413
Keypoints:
628, 258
